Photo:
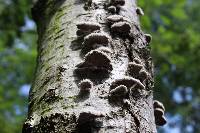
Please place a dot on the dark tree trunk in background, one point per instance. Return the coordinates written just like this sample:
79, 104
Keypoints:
94, 71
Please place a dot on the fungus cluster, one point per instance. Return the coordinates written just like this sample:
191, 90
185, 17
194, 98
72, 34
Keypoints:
121, 87
159, 109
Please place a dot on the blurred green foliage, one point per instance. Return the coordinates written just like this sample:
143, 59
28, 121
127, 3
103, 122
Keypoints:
175, 28
17, 61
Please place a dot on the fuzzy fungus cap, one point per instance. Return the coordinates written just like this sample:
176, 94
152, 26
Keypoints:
143, 75
119, 91
115, 18
104, 49
87, 115
97, 59
85, 85
134, 68
158, 104
118, 2
139, 11
129, 82
148, 38
121, 27
96, 38
137, 60
112, 9
158, 112
161, 121
92, 26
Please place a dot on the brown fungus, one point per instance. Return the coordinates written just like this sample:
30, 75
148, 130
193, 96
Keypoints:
137, 61
96, 59
148, 38
143, 75
129, 82
121, 27
88, 115
159, 117
158, 104
119, 91
112, 9
115, 18
118, 2
134, 68
85, 86
85, 26
96, 38
158, 112
139, 11
105, 50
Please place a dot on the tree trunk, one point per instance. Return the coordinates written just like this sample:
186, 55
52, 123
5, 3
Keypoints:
94, 70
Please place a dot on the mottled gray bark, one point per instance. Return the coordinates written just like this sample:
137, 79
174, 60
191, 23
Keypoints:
94, 71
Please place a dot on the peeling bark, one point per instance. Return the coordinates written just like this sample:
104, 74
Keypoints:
82, 71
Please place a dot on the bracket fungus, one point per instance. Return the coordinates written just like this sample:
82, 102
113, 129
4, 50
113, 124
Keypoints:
129, 82
105, 50
134, 68
137, 60
157, 104
143, 75
96, 59
121, 27
139, 11
148, 38
115, 18
88, 115
112, 9
160, 120
85, 26
96, 38
118, 2
119, 91
85, 86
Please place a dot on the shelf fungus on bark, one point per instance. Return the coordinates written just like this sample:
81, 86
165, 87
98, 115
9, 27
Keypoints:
148, 38
85, 28
106, 50
95, 40
96, 59
158, 104
115, 18
112, 9
118, 2
133, 69
88, 115
85, 86
160, 120
143, 75
119, 91
139, 11
121, 27
127, 81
